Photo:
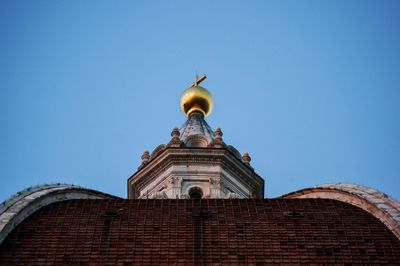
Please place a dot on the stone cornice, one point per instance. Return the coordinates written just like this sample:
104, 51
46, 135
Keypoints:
193, 156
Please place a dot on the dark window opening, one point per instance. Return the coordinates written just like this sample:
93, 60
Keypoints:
195, 193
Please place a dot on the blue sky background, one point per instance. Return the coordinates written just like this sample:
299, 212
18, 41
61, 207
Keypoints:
309, 88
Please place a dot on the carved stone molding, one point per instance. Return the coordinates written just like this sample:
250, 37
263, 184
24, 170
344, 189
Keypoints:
193, 164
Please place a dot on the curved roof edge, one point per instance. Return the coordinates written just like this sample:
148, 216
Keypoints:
22, 204
380, 205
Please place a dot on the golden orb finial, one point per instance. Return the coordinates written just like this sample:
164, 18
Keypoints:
196, 99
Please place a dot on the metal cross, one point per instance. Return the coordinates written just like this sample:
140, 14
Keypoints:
198, 80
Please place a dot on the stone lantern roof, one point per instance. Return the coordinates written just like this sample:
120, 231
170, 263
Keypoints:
196, 125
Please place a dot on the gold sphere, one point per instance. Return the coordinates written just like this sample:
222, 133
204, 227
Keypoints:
196, 99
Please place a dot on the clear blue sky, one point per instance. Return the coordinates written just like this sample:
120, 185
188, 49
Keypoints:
311, 89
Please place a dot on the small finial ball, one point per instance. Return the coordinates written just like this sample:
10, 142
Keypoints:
175, 132
218, 133
145, 156
246, 158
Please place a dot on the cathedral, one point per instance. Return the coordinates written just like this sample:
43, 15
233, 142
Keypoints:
197, 200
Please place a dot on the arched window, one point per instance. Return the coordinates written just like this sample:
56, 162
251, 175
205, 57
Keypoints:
195, 193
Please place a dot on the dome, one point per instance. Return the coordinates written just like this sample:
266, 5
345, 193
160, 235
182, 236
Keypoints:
196, 99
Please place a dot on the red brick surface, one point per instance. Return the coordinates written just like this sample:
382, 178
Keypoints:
212, 231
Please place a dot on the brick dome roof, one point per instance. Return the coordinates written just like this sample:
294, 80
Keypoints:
220, 231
